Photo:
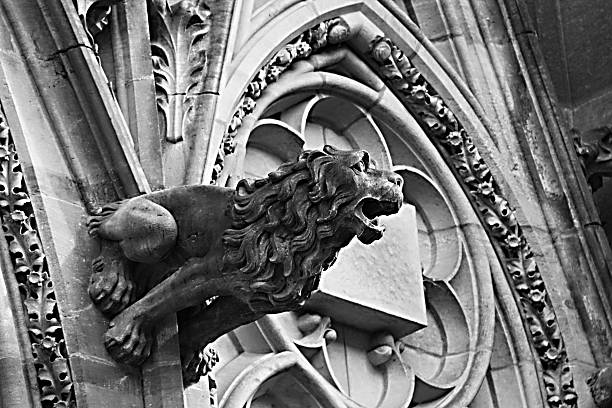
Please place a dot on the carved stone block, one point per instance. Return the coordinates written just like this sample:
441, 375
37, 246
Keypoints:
377, 290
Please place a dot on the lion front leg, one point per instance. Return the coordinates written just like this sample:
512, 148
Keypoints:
129, 336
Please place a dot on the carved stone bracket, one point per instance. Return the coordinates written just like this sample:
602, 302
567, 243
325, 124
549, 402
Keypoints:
498, 216
179, 42
594, 148
33, 279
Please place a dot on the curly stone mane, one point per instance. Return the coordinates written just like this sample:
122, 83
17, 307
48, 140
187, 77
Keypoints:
284, 230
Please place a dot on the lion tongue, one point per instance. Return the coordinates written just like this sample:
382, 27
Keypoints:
371, 233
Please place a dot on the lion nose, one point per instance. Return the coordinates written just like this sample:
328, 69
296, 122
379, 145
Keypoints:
396, 179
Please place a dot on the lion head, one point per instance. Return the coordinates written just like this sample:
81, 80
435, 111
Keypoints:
288, 228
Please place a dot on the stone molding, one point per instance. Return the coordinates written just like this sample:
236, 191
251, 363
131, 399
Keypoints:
68, 45
32, 275
126, 63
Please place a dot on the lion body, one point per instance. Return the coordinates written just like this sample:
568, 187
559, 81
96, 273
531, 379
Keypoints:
201, 215
257, 249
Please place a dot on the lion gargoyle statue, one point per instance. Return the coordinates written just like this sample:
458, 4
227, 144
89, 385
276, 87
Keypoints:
222, 257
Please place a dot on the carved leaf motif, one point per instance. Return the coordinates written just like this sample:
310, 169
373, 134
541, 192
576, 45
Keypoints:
10, 181
332, 31
179, 42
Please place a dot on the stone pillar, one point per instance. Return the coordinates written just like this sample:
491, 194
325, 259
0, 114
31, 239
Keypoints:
76, 155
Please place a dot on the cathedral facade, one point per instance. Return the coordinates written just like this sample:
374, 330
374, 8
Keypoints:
488, 286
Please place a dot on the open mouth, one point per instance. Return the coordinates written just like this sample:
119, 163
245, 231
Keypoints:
367, 211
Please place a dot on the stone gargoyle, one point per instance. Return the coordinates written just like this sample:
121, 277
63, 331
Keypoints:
222, 257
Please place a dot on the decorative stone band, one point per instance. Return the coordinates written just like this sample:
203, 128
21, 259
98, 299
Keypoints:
328, 32
33, 279
442, 127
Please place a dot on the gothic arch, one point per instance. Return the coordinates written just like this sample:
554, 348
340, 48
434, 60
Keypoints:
368, 61
304, 76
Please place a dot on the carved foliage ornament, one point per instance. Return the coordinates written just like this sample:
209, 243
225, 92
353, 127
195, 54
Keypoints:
442, 127
594, 149
329, 32
499, 218
179, 40
168, 251
33, 279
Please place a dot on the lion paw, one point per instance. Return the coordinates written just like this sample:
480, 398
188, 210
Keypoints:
127, 341
110, 288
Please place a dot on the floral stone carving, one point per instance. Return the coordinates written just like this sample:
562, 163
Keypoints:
179, 41
255, 250
33, 279
330, 32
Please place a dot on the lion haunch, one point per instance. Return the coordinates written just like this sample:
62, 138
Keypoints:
257, 249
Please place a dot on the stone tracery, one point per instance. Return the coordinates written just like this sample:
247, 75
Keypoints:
440, 124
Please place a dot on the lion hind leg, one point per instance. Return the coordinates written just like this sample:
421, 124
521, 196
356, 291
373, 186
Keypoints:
135, 230
146, 231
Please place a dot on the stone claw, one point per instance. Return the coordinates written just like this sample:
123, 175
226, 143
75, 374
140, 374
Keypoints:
95, 222
109, 288
127, 341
